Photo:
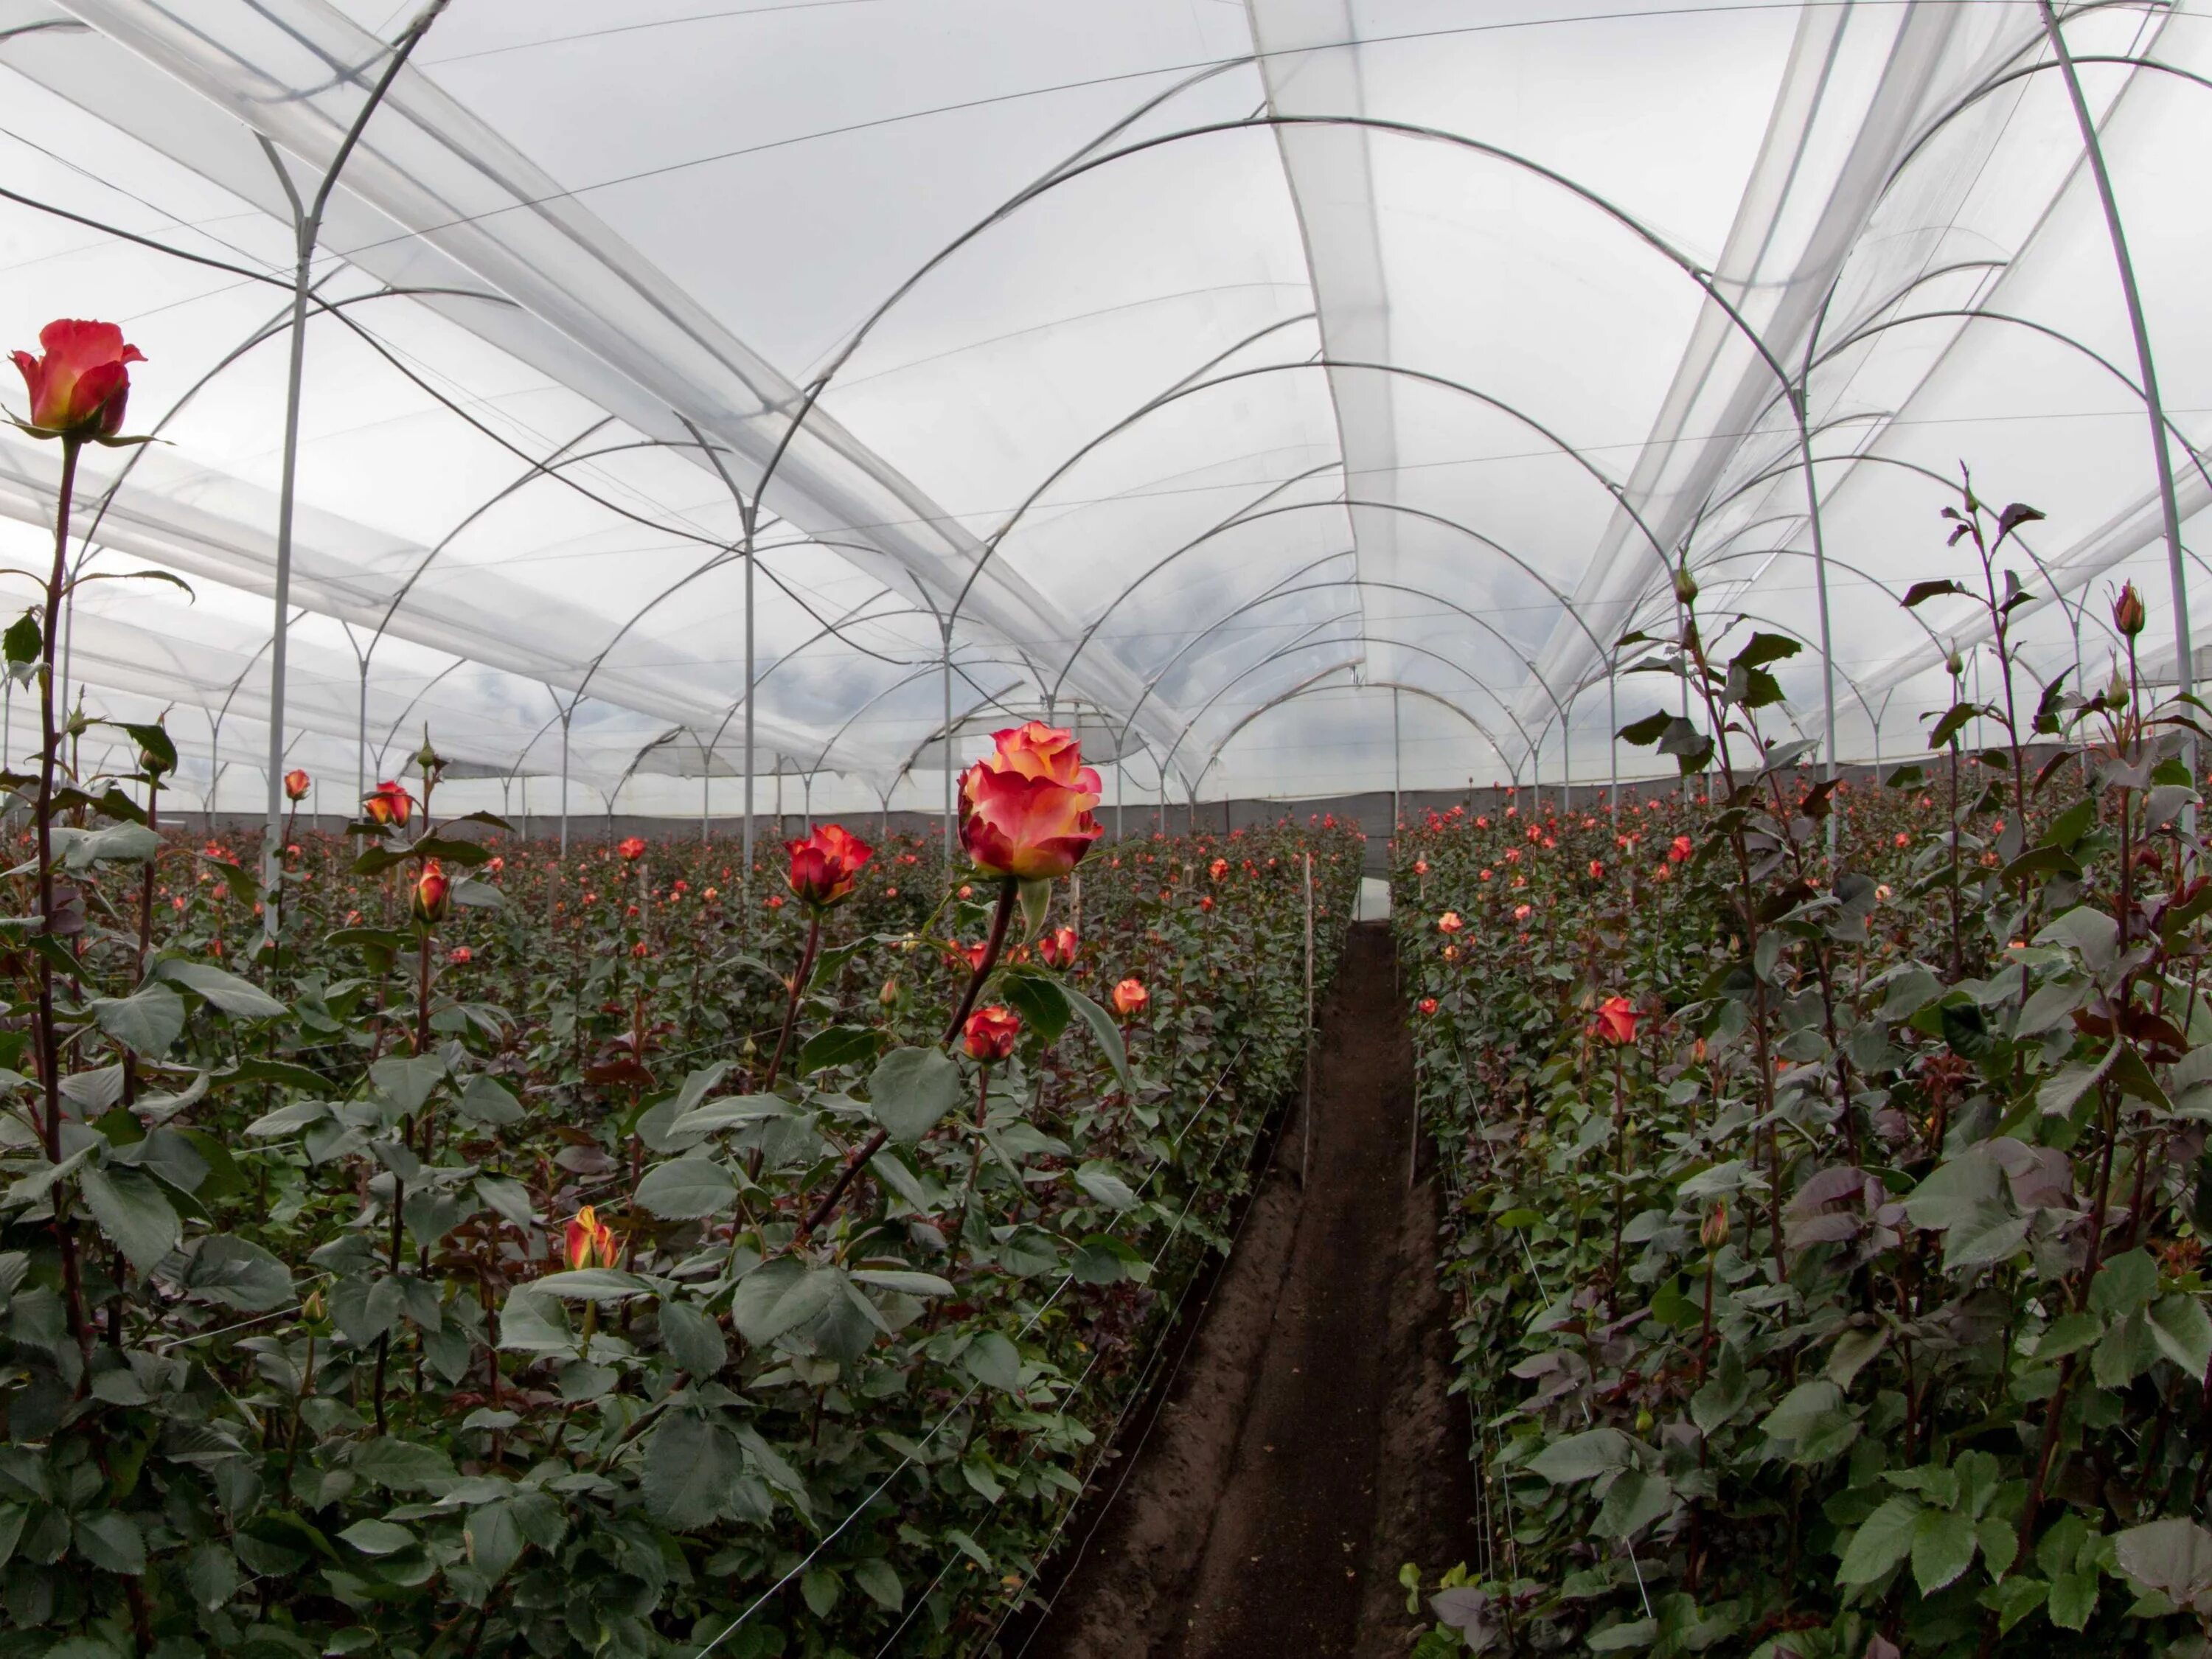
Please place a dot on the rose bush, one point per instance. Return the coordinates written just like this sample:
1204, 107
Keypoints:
1830, 1182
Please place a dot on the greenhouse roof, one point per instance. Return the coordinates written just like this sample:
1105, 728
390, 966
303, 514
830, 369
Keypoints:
1275, 387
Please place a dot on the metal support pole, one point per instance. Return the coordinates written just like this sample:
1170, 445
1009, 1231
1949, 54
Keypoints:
307, 228
565, 715
1612, 726
2184, 668
745, 866
1397, 771
1820, 593
946, 733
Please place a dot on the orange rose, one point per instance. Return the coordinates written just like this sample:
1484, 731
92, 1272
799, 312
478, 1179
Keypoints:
632, 849
826, 865
990, 1033
296, 784
1131, 998
1616, 1020
1058, 948
388, 805
79, 384
1025, 809
433, 894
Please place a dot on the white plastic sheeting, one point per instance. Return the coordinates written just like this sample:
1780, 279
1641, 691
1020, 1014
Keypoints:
1252, 381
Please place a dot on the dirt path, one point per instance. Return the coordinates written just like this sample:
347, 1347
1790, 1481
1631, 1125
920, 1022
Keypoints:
1306, 1449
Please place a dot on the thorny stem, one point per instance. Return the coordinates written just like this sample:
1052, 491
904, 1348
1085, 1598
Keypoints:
798, 990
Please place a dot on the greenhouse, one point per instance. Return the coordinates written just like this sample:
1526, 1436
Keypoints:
945, 827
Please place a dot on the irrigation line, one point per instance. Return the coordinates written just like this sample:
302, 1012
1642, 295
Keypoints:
952, 1410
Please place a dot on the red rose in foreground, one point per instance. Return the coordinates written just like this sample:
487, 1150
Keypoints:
1679, 851
1131, 998
1616, 1020
297, 783
632, 849
1428, 1005
826, 865
990, 1033
1025, 809
80, 386
388, 805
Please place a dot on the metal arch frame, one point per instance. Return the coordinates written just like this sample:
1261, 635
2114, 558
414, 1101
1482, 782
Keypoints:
1280, 592
1239, 517
1612, 488
1308, 687
1307, 637
1363, 640
1468, 530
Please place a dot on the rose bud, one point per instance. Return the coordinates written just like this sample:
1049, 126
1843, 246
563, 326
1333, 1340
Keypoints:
889, 996
1685, 585
990, 1033
81, 384
388, 806
1715, 1231
2128, 610
1616, 1020
591, 1241
297, 783
826, 865
460, 956
1025, 808
433, 894
1131, 999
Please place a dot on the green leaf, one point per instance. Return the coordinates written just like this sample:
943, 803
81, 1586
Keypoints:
1920, 592
1763, 648
911, 1089
2173, 1556
2183, 1333
1943, 1548
372, 1537
691, 1467
880, 1583
2000, 1543
23, 641
239, 1274
686, 1189
1646, 732
228, 993
1954, 721
147, 1021
407, 1080
1039, 1000
111, 1540
780, 1295
2073, 1598
692, 1339
2014, 1599
1102, 1184
2126, 1352
1105, 1030
133, 1213
592, 1285
489, 1102
403, 1466
905, 1284
2124, 1283
1632, 1503
1884, 1539
993, 1361
1582, 1457
840, 1045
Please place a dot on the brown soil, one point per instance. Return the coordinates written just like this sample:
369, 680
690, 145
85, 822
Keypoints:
1306, 1448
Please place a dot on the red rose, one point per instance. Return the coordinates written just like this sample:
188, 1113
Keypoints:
295, 785
589, 1241
990, 1033
1131, 998
631, 849
460, 956
80, 386
1679, 851
1428, 1005
826, 865
1616, 1020
1025, 809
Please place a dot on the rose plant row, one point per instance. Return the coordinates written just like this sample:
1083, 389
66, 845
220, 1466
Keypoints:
1830, 1191
632, 1253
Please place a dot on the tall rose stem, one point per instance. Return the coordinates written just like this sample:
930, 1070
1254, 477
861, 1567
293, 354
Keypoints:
874, 1143
798, 990
49, 1047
